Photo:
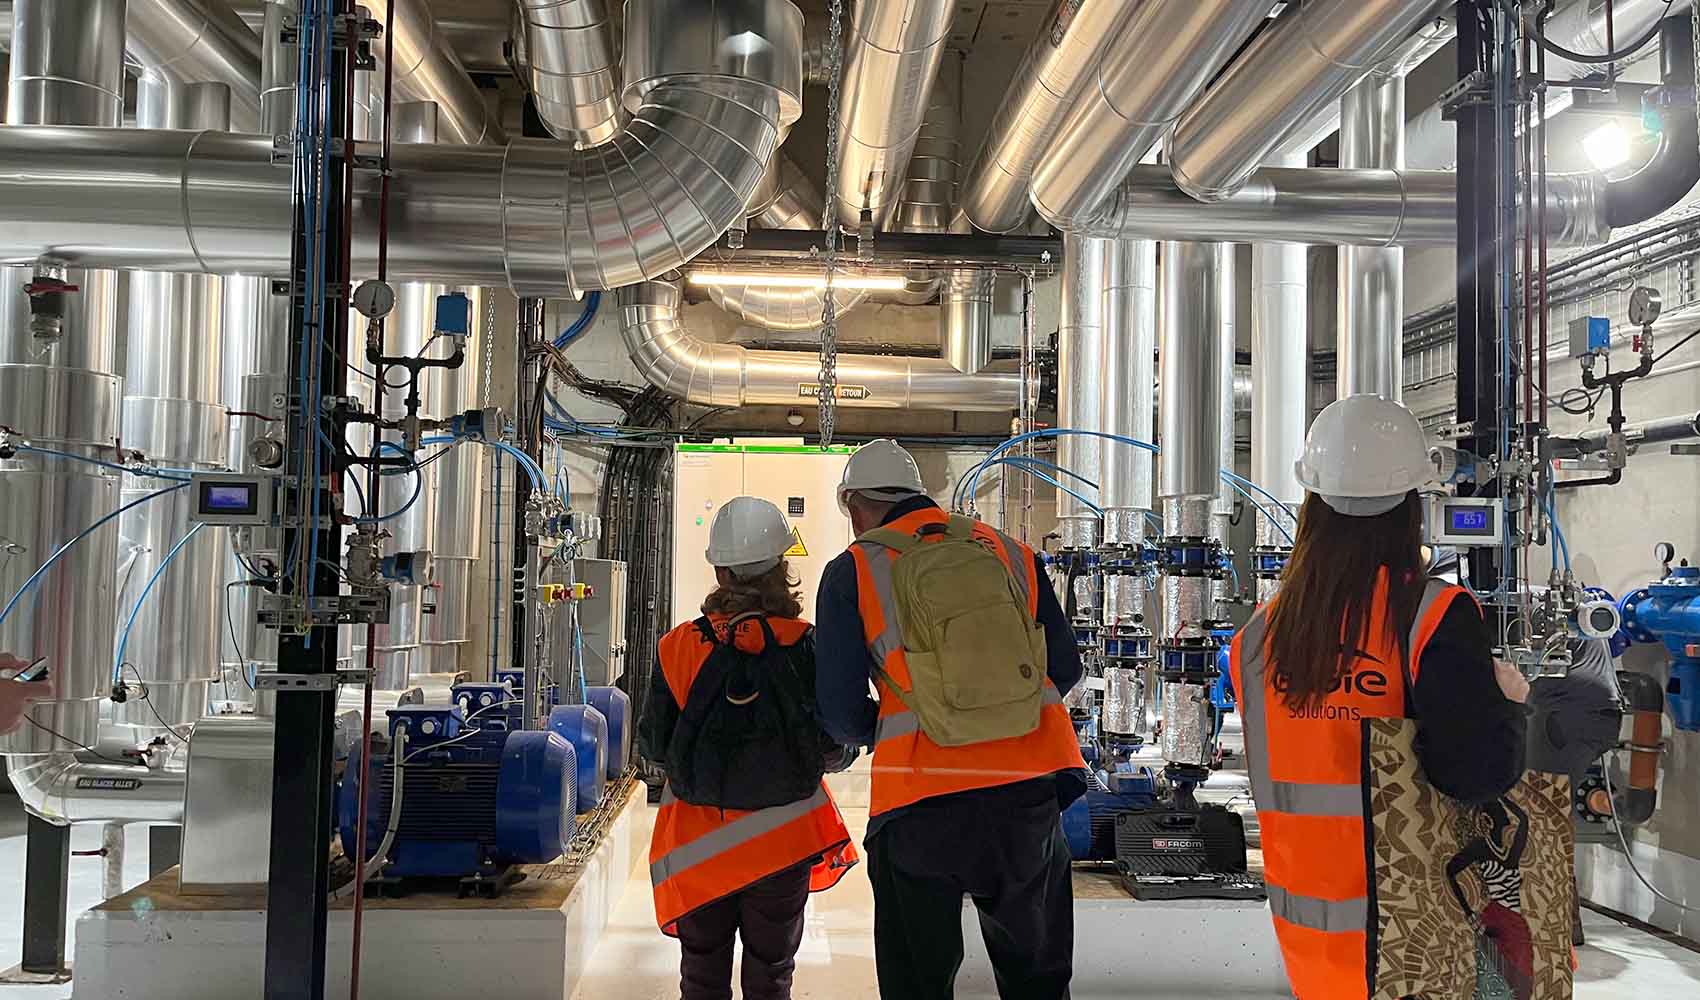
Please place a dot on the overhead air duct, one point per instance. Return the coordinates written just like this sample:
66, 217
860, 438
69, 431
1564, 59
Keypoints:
568, 53
892, 56
1062, 61
1169, 51
539, 219
1371, 319
1310, 58
671, 358
199, 41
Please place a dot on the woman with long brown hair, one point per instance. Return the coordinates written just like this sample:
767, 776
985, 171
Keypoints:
746, 829
1360, 632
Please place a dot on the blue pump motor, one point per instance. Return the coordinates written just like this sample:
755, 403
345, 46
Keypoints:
1669, 612
1089, 823
616, 706
486, 704
587, 730
475, 798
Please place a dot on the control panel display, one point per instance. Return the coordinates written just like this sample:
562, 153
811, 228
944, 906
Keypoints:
1463, 522
1469, 520
232, 498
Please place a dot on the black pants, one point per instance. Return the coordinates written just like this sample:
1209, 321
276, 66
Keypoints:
768, 915
1002, 847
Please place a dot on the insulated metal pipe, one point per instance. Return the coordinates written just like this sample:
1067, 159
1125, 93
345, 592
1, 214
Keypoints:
670, 357
785, 199
1312, 55
1062, 61
1328, 207
965, 318
1428, 40
1129, 379
62, 393
1170, 49
69, 788
568, 52
1080, 386
426, 69
1280, 399
539, 219
892, 56
1192, 323
199, 41
1372, 279
927, 199
174, 414
278, 68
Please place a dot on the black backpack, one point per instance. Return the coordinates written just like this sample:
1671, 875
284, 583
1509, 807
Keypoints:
747, 738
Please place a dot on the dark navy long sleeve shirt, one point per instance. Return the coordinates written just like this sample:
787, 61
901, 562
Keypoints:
844, 667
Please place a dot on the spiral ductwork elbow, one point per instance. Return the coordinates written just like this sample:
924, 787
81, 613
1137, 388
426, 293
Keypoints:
568, 55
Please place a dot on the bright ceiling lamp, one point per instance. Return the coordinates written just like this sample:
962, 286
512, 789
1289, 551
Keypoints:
795, 279
1606, 146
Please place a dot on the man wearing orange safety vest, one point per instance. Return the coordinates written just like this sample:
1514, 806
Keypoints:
1360, 632
980, 818
725, 873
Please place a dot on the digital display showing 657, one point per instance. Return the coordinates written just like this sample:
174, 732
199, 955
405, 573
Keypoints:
1469, 520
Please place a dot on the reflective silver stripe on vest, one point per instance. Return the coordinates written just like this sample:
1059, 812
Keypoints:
1330, 916
1295, 798
734, 834
890, 639
904, 723
1432, 592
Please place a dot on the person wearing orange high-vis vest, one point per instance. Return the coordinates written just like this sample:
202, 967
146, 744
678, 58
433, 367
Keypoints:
980, 819
1357, 632
720, 874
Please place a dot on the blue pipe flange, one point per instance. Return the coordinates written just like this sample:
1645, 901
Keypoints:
1198, 557
1269, 561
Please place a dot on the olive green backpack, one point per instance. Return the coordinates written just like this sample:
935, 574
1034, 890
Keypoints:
976, 657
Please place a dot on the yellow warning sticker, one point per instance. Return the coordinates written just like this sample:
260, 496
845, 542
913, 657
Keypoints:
797, 547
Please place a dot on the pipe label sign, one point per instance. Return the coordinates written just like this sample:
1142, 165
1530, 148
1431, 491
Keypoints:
811, 390
110, 784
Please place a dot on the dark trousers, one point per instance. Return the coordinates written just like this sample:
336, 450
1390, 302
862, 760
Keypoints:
768, 915
1003, 848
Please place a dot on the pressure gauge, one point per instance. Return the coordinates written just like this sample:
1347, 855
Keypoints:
1644, 306
374, 299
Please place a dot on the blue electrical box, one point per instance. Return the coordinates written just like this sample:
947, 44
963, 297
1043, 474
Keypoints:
1590, 336
454, 315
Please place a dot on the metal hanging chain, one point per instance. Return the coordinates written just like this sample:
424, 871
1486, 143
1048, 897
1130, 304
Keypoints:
828, 388
1694, 28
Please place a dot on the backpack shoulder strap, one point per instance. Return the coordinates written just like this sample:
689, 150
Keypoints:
961, 528
897, 541
706, 627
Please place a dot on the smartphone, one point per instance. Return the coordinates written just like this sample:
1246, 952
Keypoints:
34, 672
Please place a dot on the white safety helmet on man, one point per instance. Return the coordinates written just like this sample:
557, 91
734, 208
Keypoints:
1363, 455
880, 470
748, 537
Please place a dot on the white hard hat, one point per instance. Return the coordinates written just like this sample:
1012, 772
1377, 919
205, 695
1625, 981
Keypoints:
748, 536
1363, 454
882, 470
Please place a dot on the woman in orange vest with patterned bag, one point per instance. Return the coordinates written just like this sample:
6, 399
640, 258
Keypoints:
746, 829
1357, 633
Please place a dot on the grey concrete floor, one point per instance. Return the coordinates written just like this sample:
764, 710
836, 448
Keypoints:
836, 962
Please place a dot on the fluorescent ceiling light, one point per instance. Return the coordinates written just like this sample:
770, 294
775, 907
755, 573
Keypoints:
1606, 146
793, 279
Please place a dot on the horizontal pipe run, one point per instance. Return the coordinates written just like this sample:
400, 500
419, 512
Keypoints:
67, 788
1338, 207
671, 358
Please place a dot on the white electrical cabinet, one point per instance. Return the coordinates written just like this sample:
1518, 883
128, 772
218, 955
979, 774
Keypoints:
802, 480
602, 619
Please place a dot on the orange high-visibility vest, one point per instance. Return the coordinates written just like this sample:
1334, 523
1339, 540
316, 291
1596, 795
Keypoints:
909, 767
699, 854
1307, 780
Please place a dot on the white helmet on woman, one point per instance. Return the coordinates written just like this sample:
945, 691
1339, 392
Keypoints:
1363, 454
882, 470
748, 537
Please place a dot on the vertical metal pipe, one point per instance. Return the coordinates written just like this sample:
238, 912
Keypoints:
66, 68
1080, 363
277, 70
1129, 374
965, 318
1372, 279
1280, 377
1221, 515
1196, 331
174, 414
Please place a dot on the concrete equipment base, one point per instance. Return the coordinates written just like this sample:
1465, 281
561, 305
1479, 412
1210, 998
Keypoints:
532, 943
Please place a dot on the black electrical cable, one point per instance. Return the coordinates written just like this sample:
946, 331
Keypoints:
143, 685
1669, 350
1602, 58
80, 746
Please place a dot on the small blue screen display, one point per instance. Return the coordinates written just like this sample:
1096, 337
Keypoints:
232, 499
1469, 520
